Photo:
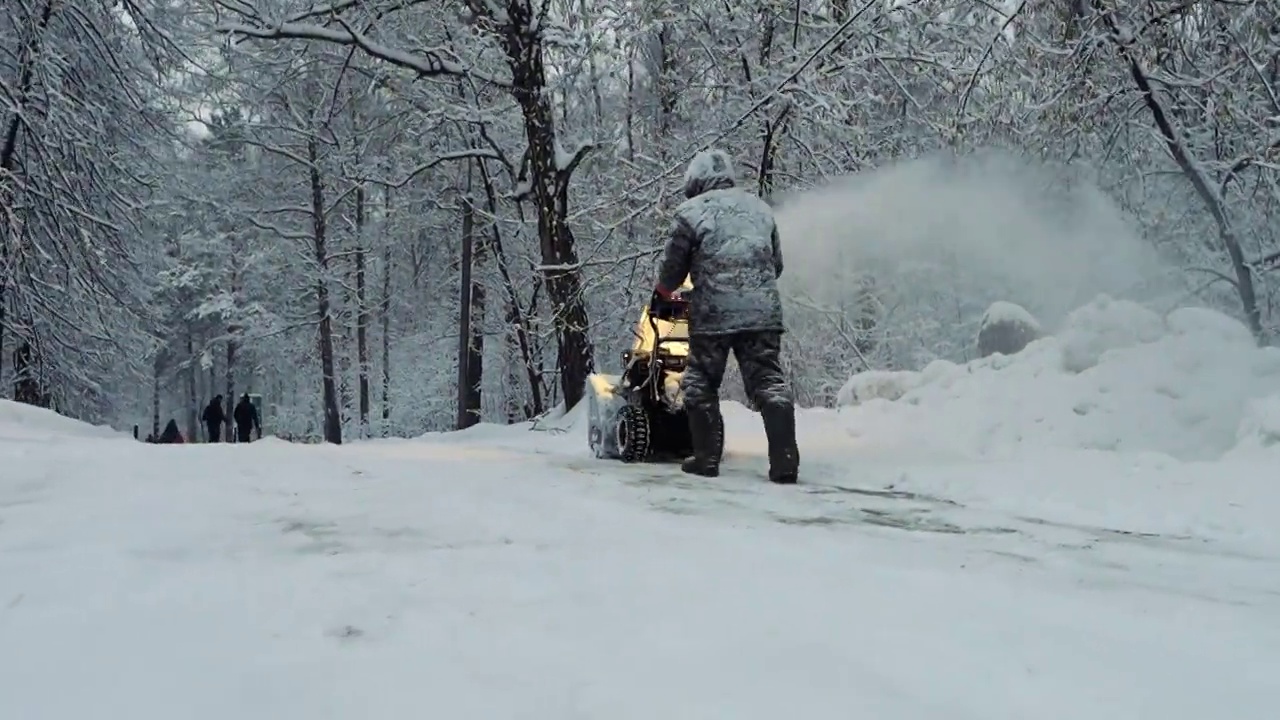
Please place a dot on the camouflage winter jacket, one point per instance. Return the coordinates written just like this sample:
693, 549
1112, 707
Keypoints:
726, 241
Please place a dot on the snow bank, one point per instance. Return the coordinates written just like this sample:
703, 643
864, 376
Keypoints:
553, 430
1259, 430
877, 385
1192, 385
19, 421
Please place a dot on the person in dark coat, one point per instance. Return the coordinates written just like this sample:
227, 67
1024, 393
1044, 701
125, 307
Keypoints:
171, 435
725, 240
214, 418
246, 417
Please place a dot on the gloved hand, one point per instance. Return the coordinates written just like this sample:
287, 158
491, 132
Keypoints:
661, 297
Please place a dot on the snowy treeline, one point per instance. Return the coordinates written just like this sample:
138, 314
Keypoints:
338, 204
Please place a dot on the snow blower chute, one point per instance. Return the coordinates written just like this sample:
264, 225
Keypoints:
639, 415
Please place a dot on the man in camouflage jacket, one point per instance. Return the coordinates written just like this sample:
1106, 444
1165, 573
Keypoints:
725, 240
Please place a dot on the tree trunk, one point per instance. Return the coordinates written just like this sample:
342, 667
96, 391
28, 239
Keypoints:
1074, 16
667, 89
343, 353
155, 398
362, 315
237, 256
631, 119
771, 129
668, 94
26, 386
475, 345
549, 181
386, 326
329, 396
193, 396
345, 320
469, 359
4, 257
230, 379
517, 319
515, 408
593, 64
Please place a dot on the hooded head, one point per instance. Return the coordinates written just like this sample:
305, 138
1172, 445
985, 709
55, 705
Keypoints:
708, 170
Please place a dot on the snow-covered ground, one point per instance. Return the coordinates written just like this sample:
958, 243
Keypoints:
1085, 530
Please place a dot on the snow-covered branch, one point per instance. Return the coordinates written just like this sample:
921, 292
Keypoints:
426, 63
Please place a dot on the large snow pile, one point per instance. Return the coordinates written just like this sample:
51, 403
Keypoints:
1117, 376
19, 421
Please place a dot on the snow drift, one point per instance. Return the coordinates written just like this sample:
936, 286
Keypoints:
1117, 376
19, 421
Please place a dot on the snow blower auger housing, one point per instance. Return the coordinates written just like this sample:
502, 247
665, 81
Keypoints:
639, 416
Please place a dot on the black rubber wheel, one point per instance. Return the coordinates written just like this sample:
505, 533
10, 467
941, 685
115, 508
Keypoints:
632, 434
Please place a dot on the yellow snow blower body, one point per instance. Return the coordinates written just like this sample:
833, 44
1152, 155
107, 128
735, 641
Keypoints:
638, 415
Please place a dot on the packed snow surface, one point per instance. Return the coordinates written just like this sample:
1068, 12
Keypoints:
965, 551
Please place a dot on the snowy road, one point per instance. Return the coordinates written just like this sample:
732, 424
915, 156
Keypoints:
505, 574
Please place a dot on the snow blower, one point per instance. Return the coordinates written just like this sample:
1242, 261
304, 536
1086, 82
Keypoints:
639, 415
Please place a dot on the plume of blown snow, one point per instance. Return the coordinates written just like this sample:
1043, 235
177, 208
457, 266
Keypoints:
938, 240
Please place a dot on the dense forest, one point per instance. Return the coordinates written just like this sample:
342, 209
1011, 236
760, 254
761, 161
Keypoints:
394, 216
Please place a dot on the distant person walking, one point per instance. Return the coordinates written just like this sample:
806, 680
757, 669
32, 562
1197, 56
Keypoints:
171, 434
247, 420
214, 418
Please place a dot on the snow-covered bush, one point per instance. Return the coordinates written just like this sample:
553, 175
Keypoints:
1006, 328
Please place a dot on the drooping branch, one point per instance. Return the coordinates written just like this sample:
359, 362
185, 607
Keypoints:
1124, 43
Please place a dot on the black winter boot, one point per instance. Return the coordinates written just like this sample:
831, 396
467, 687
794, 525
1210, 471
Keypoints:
784, 455
706, 428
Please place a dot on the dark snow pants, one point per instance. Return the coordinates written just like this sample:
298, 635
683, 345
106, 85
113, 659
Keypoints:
759, 356
244, 433
215, 432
